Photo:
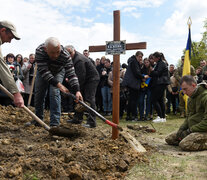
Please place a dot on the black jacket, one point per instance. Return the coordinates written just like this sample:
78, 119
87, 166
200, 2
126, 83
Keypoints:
160, 75
199, 78
84, 69
133, 75
104, 78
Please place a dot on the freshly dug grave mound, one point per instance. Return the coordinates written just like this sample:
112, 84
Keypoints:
31, 152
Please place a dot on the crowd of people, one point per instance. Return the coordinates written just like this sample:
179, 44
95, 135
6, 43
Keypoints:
146, 84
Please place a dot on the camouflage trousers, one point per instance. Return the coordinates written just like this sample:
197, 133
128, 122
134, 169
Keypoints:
193, 142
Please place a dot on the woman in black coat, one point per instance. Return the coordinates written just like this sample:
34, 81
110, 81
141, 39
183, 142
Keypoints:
160, 80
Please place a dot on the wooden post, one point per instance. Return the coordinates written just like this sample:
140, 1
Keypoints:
116, 76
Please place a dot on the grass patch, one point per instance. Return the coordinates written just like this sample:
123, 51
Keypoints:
160, 167
31, 176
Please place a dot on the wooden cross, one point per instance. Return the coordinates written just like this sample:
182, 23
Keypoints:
116, 68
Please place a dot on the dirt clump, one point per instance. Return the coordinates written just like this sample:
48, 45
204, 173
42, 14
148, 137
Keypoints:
31, 152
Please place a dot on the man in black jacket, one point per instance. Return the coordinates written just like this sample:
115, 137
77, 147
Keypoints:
86, 54
132, 80
88, 78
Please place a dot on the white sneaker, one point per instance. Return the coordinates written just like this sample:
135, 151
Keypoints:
160, 120
157, 119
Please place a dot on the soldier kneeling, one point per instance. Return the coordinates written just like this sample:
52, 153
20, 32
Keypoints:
192, 135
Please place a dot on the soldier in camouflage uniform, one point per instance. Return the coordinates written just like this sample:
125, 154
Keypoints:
178, 75
192, 135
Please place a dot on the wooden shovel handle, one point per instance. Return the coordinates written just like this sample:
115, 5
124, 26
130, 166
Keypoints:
32, 85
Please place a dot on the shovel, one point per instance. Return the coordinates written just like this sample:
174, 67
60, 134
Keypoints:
94, 112
53, 131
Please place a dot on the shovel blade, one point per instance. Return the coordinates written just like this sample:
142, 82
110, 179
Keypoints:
64, 132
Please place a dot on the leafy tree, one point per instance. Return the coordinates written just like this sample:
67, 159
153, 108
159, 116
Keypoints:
198, 53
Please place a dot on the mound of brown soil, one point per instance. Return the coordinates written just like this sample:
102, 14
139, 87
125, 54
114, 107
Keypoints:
31, 153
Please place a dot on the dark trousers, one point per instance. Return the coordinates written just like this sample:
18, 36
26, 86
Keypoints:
172, 99
67, 103
132, 102
26, 98
99, 100
5, 100
168, 96
158, 99
89, 93
123, 101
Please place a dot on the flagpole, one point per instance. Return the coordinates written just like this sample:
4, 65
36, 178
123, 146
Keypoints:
189, 22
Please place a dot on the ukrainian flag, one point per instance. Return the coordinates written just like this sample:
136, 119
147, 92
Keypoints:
186, 65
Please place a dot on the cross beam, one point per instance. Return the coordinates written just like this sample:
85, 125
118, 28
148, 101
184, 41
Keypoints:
129, 46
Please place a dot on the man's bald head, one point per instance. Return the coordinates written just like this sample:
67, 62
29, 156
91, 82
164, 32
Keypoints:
71, 50
52, 47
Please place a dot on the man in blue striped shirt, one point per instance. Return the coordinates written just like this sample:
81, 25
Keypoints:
53, 64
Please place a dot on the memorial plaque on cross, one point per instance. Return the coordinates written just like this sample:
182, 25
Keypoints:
116, 68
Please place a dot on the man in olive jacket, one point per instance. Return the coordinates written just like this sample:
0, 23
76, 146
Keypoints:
7, 33
192, 135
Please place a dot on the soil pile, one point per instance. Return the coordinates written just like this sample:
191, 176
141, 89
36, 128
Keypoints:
30, 152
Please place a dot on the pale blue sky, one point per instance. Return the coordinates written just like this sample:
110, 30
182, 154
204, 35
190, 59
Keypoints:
161, 23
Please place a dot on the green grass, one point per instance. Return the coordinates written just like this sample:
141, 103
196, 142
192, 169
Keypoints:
31, 176
172, 124
161, 167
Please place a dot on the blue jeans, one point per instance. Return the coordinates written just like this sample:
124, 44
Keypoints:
41, 88
143, 103
107, 100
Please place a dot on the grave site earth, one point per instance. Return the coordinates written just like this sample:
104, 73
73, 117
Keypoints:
31, 153
85, 154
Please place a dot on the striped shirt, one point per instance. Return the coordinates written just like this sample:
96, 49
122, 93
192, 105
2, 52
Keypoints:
49, 68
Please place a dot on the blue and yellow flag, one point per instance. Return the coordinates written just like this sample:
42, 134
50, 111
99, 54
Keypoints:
186, 65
